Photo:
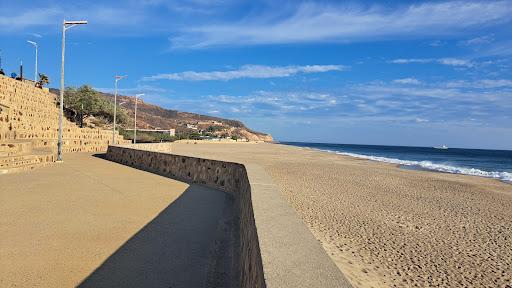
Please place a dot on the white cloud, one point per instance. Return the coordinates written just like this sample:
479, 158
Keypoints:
316, 22
27, 18
456, 62
502, 48
186, 7
384, 90
411, 60
374, 101
146, 89
454, 91
275, 102
483, 83
411, 81
14, 19
294, 22
478, 40
436, 43
247, 71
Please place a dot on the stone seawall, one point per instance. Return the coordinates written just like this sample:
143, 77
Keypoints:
164, 147
226, 176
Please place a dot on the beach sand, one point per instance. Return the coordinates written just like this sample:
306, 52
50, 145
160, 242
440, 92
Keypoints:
388, 227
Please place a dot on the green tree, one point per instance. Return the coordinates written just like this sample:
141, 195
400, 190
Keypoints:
89, 102
194, 136
214, 128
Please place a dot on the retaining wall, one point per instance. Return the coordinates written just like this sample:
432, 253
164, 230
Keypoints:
31, 114
226, 176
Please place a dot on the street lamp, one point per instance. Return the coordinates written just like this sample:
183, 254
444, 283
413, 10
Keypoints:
35, 45
135, 125
65, 26
115, 109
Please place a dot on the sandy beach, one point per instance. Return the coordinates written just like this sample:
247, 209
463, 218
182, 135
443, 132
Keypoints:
388, 227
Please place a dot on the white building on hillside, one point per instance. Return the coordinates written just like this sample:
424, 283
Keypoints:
192, 126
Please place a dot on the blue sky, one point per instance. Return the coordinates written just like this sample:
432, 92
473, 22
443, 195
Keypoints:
407, 73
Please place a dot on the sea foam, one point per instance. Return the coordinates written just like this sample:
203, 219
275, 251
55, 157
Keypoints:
428, 165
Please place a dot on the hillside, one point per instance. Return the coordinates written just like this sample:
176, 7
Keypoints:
151, 116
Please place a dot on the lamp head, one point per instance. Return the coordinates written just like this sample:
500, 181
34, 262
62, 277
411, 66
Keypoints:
79, 22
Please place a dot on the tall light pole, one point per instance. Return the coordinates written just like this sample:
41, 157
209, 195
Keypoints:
35, 71
65, 26
115, 109
135, 125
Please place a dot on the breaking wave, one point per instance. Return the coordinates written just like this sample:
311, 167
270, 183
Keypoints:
428, 165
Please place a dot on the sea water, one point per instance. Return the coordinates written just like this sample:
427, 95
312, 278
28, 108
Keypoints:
495, 164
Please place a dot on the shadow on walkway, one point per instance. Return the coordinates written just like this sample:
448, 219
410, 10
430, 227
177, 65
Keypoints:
100, 155
191, 243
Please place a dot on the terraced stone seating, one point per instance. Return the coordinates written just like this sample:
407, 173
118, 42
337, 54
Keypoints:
15, 147
25, 160
29, 128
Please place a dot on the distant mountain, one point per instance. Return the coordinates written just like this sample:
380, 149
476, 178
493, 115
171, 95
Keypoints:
151, 116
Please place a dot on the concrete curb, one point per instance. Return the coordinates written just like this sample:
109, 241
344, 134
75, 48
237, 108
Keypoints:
291, 255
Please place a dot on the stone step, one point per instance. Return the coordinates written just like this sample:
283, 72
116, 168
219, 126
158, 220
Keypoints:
13, 161
15, 102
75, 133
22, 168
15, 147
38, 158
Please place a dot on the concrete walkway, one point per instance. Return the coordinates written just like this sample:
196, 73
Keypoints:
89, 222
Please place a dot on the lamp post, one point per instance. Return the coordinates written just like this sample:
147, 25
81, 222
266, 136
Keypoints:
35, 71
65, 26
135, 125
115, 109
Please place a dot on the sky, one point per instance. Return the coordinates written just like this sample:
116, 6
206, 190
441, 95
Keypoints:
415, 73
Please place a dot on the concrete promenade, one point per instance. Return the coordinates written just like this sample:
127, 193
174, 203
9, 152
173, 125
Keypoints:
89, 222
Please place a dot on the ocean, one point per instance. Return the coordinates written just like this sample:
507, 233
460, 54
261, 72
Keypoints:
495, 164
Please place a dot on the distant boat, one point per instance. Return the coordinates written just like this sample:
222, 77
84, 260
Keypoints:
444, 147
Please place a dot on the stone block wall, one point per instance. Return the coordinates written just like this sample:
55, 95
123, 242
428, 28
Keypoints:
31, 114
226, 176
